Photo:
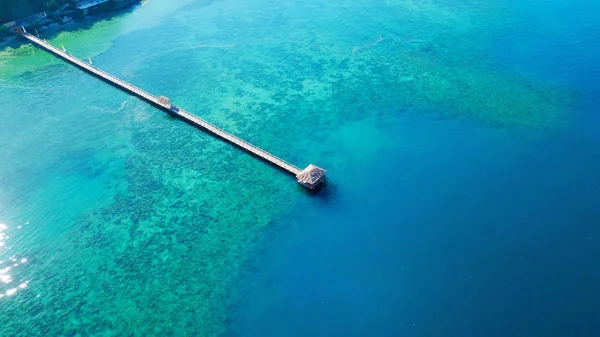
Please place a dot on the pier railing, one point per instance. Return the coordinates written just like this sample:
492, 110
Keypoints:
182, 114
238, 141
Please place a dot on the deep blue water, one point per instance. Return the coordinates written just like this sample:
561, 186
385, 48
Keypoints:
476, 233
470, 238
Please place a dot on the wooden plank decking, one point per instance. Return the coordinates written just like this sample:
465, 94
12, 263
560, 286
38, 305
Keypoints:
180, 113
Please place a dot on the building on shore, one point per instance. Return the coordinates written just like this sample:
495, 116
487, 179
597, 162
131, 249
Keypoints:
87, 4
83, 5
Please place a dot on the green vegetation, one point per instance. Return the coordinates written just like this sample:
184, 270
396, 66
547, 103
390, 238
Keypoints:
4, 32
15, 9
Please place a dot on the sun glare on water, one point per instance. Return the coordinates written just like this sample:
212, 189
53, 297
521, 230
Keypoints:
9, 264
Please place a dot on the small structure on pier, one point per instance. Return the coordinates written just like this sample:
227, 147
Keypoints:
165, 101
311, 177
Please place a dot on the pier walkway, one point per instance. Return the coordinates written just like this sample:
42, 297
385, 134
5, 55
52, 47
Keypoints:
310, 177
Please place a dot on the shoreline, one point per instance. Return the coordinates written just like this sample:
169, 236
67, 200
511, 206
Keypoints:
53, 29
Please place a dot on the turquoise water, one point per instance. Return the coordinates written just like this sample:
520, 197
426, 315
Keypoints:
461, 140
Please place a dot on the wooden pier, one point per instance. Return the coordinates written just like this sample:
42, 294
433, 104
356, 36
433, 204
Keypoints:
311, 177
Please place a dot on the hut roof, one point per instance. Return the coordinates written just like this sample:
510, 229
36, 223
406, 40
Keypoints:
311, 175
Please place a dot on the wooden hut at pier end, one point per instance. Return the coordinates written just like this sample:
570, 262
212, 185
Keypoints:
311, 177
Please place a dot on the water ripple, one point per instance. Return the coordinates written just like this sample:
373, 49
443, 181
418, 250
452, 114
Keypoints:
11, 264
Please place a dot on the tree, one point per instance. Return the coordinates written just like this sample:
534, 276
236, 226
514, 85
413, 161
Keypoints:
17, 9
4, 32
52, 5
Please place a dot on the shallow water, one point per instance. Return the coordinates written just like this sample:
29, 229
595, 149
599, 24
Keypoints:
461, 141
